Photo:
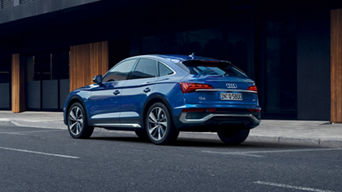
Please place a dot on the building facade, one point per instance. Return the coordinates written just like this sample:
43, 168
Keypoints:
293, 50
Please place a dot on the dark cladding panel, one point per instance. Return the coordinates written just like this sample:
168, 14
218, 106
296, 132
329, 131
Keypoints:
50, 94
63, 91
4, 4
32, 84
5, 96
10, 11
313, 65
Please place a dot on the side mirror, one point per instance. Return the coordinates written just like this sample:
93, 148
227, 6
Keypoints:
98, 79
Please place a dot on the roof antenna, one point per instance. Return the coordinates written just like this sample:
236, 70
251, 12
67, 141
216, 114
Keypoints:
192, 55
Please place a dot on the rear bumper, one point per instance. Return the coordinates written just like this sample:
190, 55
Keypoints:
212, 121
251, 117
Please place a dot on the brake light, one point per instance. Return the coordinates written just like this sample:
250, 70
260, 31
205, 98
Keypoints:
253, 88
190, 87
211, 110
254, 110
193, 110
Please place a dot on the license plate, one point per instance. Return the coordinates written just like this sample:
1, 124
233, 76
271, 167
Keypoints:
231, 96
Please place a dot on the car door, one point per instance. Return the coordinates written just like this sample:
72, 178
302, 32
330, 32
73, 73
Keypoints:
105, 100
136, 90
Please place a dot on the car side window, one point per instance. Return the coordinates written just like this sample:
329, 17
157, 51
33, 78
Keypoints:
164, 70
120, 71
146, 68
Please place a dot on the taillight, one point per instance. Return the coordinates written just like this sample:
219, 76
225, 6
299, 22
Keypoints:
254, 110
253, 88
211, 110
190, 87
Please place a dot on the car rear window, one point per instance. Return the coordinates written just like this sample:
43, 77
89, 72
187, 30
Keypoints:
214, 68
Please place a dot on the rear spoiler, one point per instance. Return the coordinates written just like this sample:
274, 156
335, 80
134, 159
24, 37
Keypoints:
195, 62
205, 62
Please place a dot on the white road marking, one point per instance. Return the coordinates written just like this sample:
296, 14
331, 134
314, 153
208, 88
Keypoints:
291, 186
39, 153
256, 153
233, 153
12, 133
23, 132
38, 131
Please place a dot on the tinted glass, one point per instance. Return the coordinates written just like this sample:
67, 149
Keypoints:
119, 71
5, 79
213, 68
163, 70
47, 79
146, 68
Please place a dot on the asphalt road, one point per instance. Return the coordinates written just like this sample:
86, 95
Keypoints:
33, 159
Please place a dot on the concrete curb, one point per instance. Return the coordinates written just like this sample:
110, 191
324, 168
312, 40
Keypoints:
42, 124
47, 124
335, 142
315, 142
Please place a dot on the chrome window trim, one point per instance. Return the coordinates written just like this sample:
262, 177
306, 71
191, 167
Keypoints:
157, 61
136, 64
125, 125
117, 64
173, 71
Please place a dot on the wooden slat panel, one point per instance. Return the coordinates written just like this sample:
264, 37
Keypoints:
18, 93
336, 65
86, 61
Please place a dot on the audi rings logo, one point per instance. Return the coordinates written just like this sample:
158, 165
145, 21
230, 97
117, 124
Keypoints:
231, 85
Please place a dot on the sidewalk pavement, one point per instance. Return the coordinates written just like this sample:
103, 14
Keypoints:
313, 133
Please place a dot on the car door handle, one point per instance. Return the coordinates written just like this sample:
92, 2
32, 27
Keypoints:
146, 90
116, 92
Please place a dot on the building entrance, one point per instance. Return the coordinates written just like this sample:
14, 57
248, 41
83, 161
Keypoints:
47, 80
5, 82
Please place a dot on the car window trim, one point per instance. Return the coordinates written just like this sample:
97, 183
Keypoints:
133, 69
136, 59
136, 64
173, 71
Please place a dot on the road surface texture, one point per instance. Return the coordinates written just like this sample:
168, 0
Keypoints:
34, 159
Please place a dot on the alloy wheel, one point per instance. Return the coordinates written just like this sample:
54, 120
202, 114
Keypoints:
157, 123
76, 120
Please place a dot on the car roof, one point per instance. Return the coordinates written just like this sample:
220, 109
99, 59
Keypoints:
179, 58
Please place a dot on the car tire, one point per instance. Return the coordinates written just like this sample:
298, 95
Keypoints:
233, 136
77, 122
158, 125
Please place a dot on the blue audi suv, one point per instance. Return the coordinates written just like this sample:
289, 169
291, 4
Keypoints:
157, 96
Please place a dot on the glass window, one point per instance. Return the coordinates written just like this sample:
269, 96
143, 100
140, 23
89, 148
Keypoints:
5, 79
5, 68
163, 70
44, 66
213, 68
33, 84
60, 64
47, 76
146, 68
119, 71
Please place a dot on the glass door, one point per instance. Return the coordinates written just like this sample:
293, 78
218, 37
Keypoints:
47, 80
279, 69
5, 80
33, 86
